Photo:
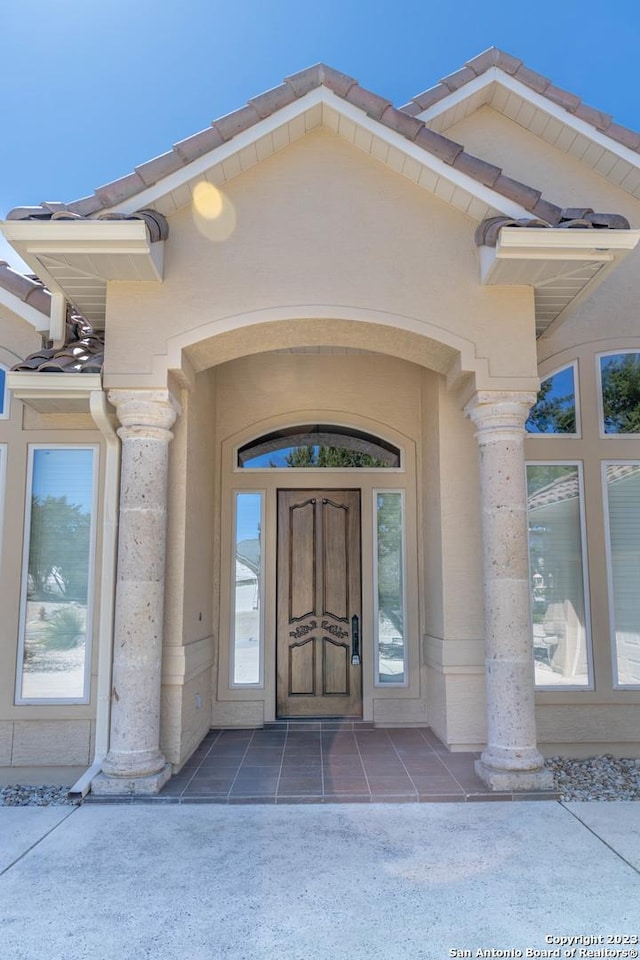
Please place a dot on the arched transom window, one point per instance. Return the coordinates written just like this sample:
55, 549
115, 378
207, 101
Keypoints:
316, 446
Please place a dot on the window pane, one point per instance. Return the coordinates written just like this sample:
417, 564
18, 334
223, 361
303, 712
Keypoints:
318, 446
3, 392
620, 378
623, 495
555, 408
557, 576
56, 596
247, 588
390, 592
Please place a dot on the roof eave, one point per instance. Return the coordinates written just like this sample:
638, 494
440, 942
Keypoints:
77, 258
563, 265
55, 392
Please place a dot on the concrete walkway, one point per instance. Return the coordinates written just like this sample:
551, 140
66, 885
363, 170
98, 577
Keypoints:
317, 882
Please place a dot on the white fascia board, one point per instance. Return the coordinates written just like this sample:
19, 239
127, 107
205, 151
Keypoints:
39, 321
77, 236
530, 243
146, 198
537, 100
569, 119
27, 385
460, 95
321, 95
51, 238
560, 243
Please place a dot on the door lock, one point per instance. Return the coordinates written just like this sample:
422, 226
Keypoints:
355, 640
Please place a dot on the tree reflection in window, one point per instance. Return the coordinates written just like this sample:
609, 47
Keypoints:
4, 396
56, 601
620, 379
318, 446
390, 623
555, 409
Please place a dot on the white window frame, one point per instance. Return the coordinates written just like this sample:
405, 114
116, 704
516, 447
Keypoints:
376, 636
233, 684
609, 562
562, 687
601, 430
5, 412
576, 393
54, 701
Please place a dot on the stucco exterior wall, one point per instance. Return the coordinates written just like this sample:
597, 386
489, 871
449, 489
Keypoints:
400, 254
35, 735
562, 178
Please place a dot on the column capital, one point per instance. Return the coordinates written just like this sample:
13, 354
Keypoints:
499, 414
145, 412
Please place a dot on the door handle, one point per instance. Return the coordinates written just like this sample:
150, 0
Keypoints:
355, 640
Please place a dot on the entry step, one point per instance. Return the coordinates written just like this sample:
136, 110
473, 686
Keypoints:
319, 723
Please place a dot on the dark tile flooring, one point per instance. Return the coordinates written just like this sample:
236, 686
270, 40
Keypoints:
327, 762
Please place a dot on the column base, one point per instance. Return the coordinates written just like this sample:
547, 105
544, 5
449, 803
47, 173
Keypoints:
506, 781
106, 786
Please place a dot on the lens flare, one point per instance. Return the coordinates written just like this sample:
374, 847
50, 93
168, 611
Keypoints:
213, 212
207, 200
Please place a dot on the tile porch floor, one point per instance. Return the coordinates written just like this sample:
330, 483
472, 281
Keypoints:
327, 762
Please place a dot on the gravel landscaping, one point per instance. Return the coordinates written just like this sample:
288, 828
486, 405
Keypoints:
19, 795
598, 778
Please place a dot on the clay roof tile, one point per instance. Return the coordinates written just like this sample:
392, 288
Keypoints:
275, 99
198, 144
234, 123
372, 104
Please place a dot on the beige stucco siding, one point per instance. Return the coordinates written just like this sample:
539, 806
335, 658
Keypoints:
562, 178
322, 224
17, 338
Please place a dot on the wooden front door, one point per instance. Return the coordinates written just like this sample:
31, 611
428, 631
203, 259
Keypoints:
318, 640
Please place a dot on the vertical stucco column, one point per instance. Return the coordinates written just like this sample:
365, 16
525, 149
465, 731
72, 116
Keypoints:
511, 760
134, 763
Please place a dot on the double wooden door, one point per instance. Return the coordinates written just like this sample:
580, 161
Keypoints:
319, 601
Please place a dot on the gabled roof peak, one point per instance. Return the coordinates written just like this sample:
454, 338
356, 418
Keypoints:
402, 121
494, 57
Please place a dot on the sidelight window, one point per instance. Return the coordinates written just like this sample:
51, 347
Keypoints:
389, 593
247, 614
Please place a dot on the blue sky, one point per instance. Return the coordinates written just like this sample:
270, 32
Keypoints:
91, 88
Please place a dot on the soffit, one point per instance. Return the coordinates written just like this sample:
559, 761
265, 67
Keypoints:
562, 265
79, 257
323, 109
617, 162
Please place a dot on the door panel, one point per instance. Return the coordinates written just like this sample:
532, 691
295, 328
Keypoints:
319, 592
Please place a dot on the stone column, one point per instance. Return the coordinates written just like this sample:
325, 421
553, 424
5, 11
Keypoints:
134, 763
511, 760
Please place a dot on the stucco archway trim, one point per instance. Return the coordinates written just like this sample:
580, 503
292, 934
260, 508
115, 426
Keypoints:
272, 328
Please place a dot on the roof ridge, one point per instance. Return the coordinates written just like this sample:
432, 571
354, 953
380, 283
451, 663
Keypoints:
495, 57
295, 87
